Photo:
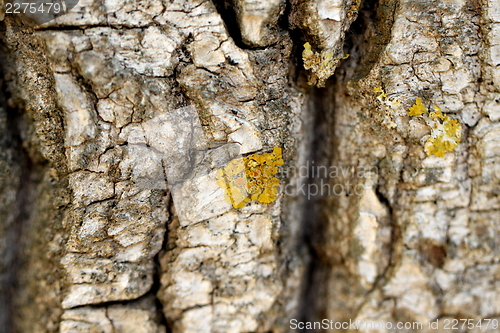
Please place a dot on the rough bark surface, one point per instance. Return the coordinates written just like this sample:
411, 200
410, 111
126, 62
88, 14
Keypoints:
119, 120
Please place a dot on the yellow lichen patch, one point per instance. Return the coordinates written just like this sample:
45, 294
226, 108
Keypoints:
251, 178
417, 109
445, 136
446, 133
354, 9
322, 65
436, 113
382, 97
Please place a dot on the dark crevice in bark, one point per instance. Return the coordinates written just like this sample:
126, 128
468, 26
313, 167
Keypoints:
38, 123
365, 41
228, 11
33, 90
391, 247
297, 72
313, 301
298, 75
169, 245
10, 232
22, 206
319, 105
155, 289
228, 14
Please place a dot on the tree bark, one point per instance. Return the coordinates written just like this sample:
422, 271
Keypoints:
245, 166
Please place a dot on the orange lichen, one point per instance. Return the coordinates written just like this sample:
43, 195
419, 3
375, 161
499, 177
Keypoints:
251, 178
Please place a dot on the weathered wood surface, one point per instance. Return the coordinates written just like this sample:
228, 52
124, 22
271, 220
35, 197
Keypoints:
118, 117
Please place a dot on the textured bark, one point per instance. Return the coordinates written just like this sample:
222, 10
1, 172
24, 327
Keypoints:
119, 122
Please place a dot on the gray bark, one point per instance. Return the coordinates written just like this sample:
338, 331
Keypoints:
141, 144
